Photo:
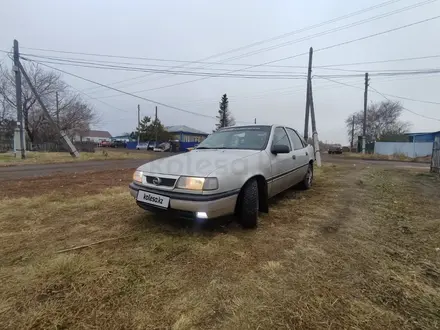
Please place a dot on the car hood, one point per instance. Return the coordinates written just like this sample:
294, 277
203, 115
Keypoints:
197, 162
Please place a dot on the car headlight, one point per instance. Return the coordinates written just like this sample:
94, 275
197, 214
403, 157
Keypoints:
137, 176
194, 183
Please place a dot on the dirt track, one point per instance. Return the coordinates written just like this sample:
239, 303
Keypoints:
339, 159
29, 171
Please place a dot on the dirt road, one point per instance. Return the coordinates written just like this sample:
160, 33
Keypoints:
28, 171
338, 159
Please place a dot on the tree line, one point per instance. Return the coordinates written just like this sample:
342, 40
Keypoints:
383, 122
73, 114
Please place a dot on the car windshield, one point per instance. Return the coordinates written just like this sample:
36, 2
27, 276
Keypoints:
246, 137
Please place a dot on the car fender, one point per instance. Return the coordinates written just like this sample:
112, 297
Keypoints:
234, 175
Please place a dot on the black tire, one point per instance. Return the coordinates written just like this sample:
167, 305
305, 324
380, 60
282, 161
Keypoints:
308, 178
248, 207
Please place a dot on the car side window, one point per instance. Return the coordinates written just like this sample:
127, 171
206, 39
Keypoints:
296, 140
280, 138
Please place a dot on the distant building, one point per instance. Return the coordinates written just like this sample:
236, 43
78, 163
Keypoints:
186, 134
93, 136
123, 138
422, 137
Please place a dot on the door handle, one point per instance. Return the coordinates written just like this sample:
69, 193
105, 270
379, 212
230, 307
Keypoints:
307, 153
294, 157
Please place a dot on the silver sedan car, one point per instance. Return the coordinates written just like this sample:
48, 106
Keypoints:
233, 171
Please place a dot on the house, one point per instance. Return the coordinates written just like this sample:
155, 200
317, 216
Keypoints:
93, 136
186, 134
123, 138
423, 137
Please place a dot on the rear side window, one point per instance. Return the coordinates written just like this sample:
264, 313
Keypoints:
297, 143
280, 138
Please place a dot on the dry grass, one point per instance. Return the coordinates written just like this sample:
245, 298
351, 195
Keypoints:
359, 251
9, 159
394, 157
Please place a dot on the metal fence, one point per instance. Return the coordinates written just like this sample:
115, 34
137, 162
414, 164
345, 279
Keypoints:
435, 160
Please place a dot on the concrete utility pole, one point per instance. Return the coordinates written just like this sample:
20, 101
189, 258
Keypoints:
139, 123
309, 79
19, 103
352, 134
58, 109
364, 129
155, 123
314, 131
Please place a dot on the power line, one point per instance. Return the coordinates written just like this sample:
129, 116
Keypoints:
377, 62
298, 40
300, 54
340, 28
409, 99
338, 82
185, 73
383, 95
413, 112
361, 11
83, 60
123, 92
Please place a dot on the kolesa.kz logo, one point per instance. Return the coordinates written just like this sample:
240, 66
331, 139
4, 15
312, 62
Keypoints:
153, 199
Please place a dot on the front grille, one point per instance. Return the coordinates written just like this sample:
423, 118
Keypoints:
166, 182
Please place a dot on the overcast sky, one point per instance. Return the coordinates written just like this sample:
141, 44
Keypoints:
194, 30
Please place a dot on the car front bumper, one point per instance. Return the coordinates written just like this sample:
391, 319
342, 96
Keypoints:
190, 206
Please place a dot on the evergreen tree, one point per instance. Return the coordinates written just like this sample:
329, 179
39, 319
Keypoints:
148, 129
224, 115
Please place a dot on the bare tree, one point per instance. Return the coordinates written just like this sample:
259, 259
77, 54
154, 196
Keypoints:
382, 120
7, 117
75, 114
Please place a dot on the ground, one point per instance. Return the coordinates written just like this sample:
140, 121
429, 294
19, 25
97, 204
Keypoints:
9, 159
360, 250
394, 157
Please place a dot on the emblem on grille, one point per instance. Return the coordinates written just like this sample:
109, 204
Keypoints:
157, 181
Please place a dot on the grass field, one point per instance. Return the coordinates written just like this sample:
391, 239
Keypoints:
360, 250
9, 159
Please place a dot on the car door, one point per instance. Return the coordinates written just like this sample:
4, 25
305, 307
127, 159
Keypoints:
301, 154
282, 164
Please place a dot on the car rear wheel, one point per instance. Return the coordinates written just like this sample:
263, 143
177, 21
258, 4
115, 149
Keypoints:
248, 207
308, 179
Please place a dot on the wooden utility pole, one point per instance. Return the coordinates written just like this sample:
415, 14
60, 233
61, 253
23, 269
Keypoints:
64, 136
19, 103
364, 128
255, 120
58, 109
155, 123
352, 134
314, 131
309, 78
139, 123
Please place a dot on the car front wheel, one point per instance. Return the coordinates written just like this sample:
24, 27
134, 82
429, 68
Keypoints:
248, 207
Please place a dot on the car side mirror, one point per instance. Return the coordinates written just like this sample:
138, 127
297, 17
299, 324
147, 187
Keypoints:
280, 149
